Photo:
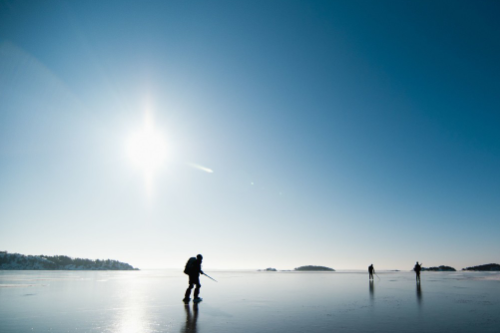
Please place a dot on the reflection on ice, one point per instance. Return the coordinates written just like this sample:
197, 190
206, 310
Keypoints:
191, 319
372, 291
419, 293
131, 318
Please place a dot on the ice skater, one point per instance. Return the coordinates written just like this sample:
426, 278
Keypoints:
371, 270
193, 269
417, 269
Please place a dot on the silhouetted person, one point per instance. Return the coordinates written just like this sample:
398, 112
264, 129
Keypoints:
417, 269
371, 270
193, 269
190, 325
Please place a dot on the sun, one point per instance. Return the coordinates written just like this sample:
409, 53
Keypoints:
147, 149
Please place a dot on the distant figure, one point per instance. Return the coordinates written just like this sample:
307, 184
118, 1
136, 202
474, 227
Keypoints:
193, 269
371, 270
417, 269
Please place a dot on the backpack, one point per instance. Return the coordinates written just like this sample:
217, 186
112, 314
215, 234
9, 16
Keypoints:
190, 266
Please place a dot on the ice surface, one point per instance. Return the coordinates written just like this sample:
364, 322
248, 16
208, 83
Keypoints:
151, 301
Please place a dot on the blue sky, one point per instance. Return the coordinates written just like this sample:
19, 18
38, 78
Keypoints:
340, 133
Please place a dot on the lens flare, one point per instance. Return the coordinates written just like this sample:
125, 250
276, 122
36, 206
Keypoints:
199, 167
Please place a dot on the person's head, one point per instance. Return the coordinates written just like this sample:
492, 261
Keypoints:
199, 257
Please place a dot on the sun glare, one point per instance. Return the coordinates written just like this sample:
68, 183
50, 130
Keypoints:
147, 150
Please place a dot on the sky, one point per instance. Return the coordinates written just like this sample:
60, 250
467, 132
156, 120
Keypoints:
258, 133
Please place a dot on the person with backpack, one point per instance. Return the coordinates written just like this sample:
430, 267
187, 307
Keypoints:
193, 270
417, 269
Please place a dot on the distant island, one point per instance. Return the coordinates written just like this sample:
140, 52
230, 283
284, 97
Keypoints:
483, 268
441, 268
314, 268
16, 261
270, 269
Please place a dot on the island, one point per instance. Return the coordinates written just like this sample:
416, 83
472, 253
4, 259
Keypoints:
16, 261
314, 268
441, 268
483, 268
270, 269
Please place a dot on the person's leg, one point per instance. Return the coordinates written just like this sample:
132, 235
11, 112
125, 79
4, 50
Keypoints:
188, 291
197, 289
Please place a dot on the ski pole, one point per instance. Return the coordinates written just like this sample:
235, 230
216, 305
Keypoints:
208, 276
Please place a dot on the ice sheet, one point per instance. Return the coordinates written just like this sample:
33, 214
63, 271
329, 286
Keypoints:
150, 301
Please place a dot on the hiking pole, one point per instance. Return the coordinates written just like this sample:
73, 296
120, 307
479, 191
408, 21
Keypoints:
377, 276
211, 278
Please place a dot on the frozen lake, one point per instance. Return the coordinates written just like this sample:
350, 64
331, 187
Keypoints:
244, 301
